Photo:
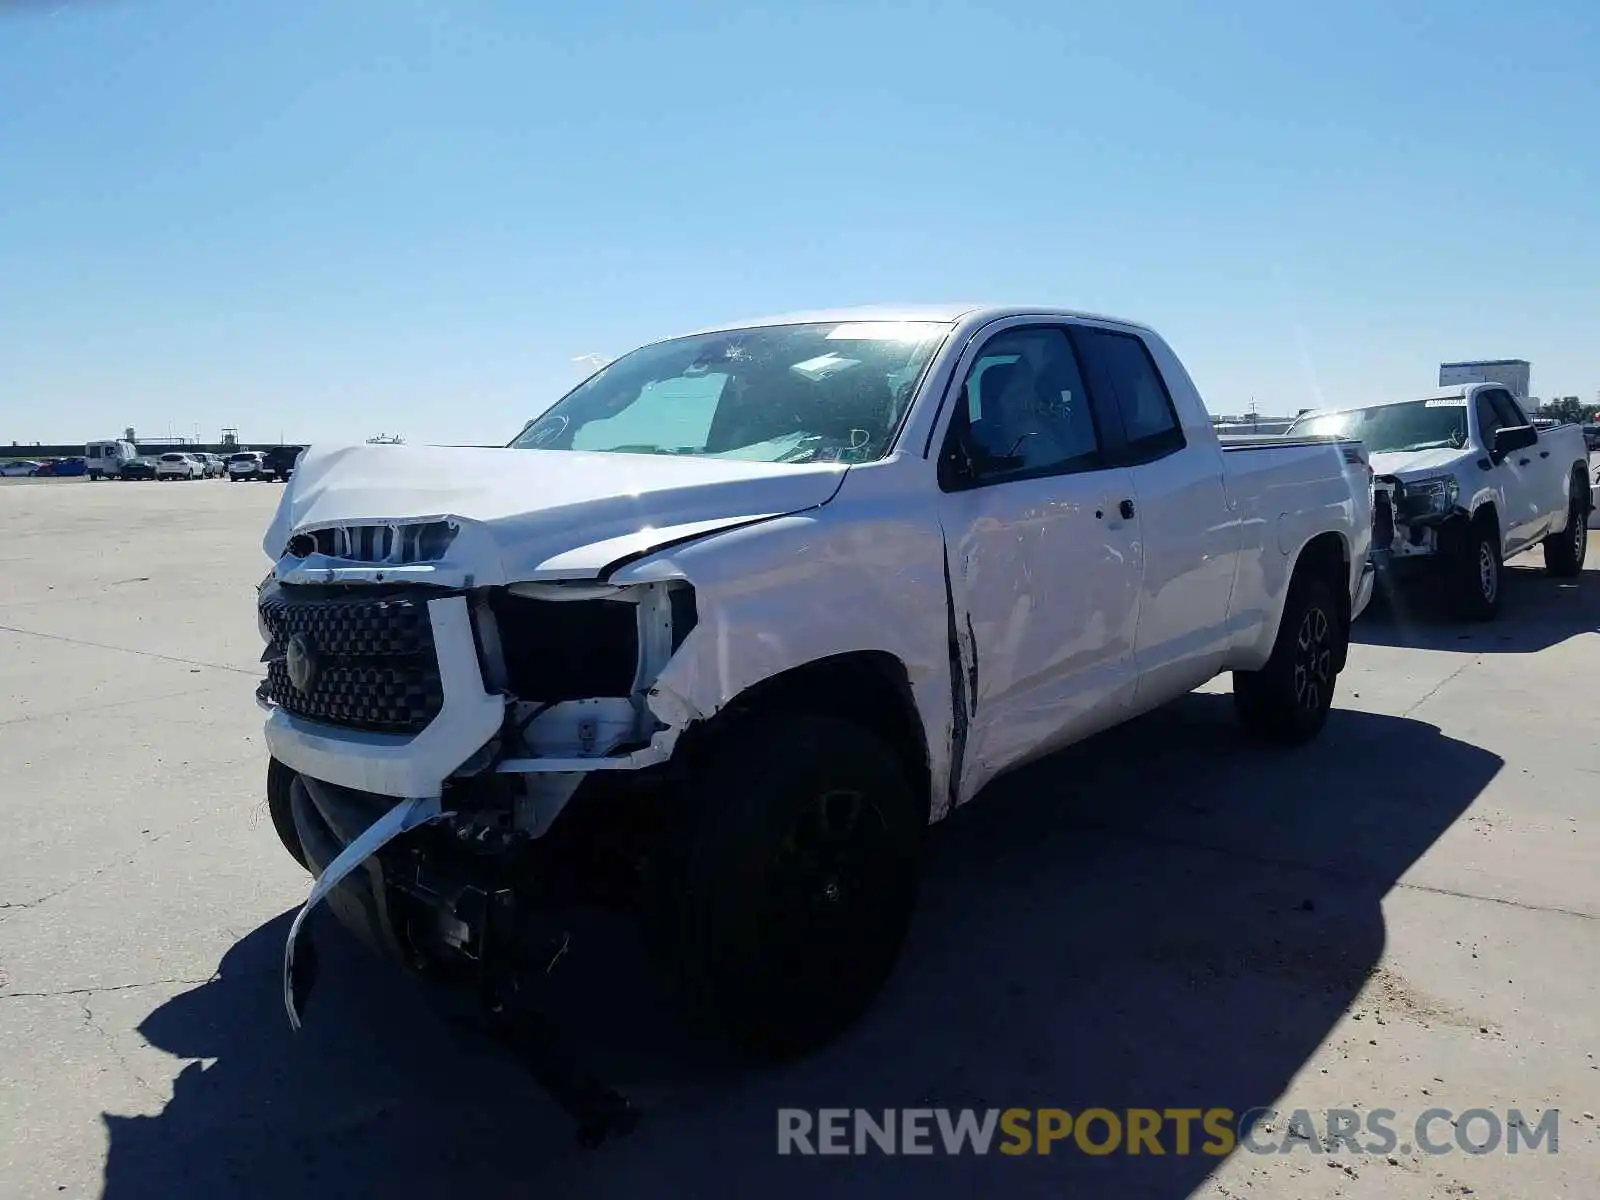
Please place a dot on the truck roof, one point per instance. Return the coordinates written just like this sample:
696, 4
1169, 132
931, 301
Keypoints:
947, 314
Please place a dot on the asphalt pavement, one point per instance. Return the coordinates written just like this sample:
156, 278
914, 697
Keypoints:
1402, 915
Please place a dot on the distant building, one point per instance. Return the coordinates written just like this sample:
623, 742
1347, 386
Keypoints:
1515, 373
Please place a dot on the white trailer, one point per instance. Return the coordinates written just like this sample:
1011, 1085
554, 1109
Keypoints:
106, 458
1514, 373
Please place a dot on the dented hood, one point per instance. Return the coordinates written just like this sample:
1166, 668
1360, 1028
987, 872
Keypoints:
1415, 463
532, 514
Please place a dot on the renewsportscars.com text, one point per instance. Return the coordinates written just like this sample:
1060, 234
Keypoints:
1161, 1131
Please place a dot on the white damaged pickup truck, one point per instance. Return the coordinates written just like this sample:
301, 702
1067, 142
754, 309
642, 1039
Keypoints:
1464, 480
719, 634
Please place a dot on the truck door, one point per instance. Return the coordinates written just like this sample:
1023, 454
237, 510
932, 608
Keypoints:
1042, 566
1515, 477
1188, 542
1544, 481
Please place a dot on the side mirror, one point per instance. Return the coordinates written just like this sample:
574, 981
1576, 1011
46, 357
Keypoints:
958, 466
1513, 437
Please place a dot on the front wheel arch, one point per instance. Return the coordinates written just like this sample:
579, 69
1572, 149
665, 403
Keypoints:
870, 688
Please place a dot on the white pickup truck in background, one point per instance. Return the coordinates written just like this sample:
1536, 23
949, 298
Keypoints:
1464, 480
722, 631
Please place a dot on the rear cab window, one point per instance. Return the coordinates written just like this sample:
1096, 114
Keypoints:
1125, 381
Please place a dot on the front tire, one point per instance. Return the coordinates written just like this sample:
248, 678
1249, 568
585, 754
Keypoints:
1479, 573
1287, 700
1564, 552
280, 779
786, 899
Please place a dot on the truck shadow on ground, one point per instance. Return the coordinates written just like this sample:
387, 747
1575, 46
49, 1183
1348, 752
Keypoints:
1167, 916
1536, 612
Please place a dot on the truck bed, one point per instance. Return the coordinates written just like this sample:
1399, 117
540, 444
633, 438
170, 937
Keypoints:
1265, 441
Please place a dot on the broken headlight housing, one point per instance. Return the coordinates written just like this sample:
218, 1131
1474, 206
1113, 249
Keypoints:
1428, 497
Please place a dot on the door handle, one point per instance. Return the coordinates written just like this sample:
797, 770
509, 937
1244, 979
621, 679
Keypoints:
1126, 509
1544, 454
1522, 462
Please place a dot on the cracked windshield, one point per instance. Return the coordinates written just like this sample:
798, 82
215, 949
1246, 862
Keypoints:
796, 394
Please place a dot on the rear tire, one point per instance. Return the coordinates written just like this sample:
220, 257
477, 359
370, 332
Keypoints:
1477, 575
279, 781
1288, 699
1564, 552
786, 896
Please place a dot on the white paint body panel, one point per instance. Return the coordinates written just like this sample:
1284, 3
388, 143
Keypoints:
1069, 617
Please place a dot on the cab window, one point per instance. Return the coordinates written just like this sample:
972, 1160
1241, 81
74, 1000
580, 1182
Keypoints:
1025, 411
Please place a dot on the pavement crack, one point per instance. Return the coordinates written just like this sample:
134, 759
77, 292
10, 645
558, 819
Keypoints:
126, 861
115, 987
74, 641
116, 1051
1438, 687
1555, 909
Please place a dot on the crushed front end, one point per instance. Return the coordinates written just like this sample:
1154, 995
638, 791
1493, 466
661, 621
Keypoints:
459, 762
1415, 521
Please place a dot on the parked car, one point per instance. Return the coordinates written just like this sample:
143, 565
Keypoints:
1591, 437
215, 467
246, 464
280, 460
138, 468
19, 467
62, 468
179, 466
808, 583
1464, 481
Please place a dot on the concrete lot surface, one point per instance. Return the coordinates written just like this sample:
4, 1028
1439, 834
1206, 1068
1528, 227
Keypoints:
1402, 915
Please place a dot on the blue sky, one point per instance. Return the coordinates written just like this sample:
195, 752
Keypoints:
326, 220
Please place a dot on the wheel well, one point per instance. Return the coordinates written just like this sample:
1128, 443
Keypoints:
1327, 555
869, 687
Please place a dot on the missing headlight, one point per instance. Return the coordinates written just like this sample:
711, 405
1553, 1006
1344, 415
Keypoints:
571, 650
